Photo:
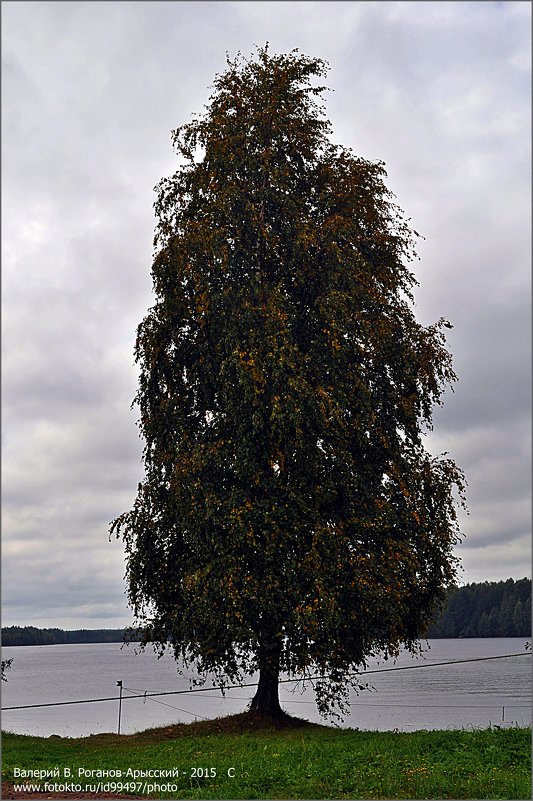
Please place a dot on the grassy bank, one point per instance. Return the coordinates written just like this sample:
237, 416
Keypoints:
228, 759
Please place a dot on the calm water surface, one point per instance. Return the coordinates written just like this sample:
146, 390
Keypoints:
475, 694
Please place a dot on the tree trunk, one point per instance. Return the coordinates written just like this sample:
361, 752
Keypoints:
266, 699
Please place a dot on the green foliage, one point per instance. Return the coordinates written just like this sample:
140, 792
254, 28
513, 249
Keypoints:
290, 517
306, 762
6, 665
488, 609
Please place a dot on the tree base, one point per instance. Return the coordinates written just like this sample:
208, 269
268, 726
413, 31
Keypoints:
255, 721
275, 713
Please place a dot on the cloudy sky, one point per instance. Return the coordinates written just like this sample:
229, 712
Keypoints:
440, 91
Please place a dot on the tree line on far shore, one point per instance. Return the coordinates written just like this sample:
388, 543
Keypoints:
487, 609
30, 635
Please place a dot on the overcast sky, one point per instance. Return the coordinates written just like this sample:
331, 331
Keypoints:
440, 91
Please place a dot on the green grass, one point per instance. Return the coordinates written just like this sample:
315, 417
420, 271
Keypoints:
296, 760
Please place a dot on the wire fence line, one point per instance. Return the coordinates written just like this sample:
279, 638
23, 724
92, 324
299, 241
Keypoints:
195, 715
285, 700
310, 679
170, 706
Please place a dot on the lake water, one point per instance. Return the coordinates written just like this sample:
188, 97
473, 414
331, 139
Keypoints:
474, 694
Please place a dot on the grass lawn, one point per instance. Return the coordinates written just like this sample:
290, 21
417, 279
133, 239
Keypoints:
239, 757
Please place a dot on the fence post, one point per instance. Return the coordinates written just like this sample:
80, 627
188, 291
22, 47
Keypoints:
119, 684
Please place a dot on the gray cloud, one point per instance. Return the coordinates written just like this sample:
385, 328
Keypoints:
439, 91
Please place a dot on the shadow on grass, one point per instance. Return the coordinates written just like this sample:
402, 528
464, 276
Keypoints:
243, 723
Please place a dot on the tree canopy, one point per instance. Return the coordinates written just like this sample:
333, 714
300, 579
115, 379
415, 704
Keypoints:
290, 518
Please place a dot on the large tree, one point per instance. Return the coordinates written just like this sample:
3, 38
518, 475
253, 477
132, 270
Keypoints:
290, 518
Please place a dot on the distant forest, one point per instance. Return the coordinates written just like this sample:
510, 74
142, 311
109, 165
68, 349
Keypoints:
29, 635
490, 609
